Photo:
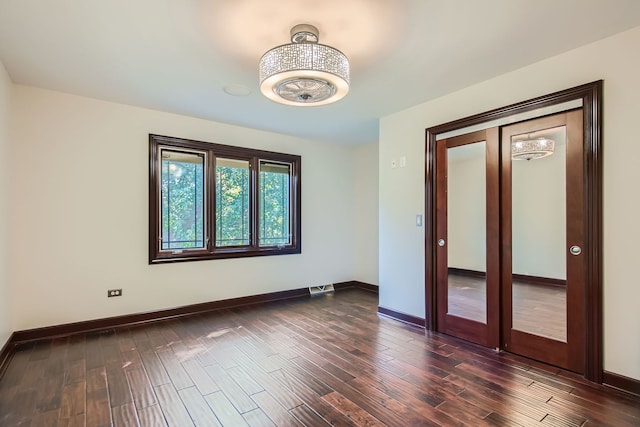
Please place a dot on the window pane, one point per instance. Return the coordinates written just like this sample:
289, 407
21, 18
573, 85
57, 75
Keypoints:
182, 205
274, 200
232, 202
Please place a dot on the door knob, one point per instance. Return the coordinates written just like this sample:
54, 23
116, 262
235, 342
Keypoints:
575, 250
441, 242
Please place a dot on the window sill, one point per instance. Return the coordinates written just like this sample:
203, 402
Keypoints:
168, 257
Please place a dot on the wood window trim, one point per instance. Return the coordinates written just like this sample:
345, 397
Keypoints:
591, 96
157, 256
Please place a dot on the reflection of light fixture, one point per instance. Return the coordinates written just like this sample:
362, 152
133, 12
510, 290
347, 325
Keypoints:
530, 149
175, 171
303, 72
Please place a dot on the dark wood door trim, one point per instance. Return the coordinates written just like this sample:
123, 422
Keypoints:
591, 96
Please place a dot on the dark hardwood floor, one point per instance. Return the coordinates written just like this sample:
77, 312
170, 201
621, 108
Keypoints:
467, 296
540, 310
537, 309
311, 361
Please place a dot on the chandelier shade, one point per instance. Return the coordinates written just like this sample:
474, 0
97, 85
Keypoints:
531, 149
304, 72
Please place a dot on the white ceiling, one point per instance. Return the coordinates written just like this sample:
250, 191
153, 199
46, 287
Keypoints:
178, 55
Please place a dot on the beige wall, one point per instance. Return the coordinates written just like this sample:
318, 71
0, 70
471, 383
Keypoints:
538, 224
80, 213
402, 190
6, 326
466, 207
365, 198
538, 200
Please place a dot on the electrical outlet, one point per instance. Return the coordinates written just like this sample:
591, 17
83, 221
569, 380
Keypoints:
114, 293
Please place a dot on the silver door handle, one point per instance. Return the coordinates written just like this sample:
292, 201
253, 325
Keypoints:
575, 250
441, 242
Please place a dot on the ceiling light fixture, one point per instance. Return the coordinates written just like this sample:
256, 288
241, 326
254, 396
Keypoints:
304, 72
531, 149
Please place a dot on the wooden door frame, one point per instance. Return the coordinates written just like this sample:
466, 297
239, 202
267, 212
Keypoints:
591, 96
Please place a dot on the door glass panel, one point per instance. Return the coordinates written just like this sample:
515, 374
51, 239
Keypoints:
538, 171
466, 231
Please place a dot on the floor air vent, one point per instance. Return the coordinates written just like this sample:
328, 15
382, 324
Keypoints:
318, 290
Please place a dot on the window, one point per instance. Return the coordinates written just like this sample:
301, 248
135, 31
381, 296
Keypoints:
232, 202
274, 203
209, 201
182, 203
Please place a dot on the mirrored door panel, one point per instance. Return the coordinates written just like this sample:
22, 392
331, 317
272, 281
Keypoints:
467, 226
466, 229
538, 232
542, 235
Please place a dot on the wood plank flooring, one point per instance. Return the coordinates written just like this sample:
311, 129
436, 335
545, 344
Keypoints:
537, 309
326, 360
